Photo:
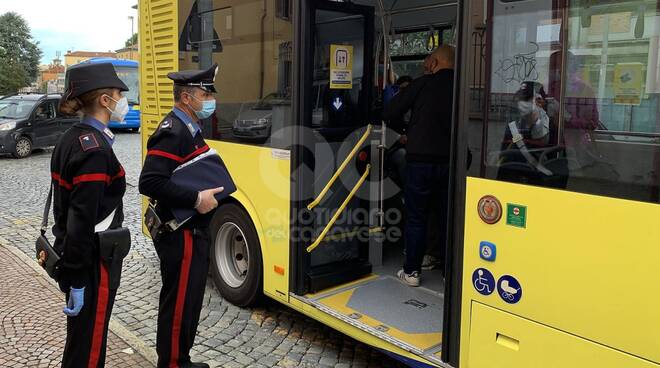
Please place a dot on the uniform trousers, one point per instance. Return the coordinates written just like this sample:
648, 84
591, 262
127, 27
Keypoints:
184, 265
87, 333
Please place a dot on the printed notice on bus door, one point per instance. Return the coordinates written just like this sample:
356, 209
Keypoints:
341, 67
628, 83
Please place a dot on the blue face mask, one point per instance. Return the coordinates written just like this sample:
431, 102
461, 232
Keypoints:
208, 108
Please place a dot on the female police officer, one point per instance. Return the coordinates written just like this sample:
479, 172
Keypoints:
88, 185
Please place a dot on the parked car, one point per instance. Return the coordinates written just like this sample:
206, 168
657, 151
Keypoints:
255, 122
31, 121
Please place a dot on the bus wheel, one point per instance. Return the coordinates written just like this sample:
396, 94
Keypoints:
236, 256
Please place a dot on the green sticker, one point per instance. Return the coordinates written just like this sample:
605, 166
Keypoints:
516, 215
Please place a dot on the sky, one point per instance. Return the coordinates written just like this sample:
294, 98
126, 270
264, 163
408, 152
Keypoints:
78, 25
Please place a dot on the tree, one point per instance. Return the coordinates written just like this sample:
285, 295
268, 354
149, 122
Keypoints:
12, 78
19, 53
132, 41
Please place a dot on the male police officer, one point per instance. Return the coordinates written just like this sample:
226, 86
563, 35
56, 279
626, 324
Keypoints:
184, 250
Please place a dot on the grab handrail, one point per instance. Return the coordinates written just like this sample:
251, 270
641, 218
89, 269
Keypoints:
339, 210
341, 168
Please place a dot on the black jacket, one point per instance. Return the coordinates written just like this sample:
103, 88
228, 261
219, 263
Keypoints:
430, 98
170, 146
88, 184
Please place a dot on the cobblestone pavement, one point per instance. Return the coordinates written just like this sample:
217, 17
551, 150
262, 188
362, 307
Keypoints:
228, 336
33, 329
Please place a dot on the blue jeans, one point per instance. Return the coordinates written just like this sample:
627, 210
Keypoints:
427, 185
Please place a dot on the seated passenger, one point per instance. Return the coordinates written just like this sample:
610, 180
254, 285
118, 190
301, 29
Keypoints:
526, 138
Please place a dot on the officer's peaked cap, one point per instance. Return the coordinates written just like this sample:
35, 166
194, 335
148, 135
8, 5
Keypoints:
86, 77
204, 79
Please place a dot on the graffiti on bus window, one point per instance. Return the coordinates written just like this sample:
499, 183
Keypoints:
520, 68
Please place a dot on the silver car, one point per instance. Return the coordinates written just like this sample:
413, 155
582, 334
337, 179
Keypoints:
255, 123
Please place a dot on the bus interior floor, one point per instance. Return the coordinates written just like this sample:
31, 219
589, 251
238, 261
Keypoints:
411, 316
393, 260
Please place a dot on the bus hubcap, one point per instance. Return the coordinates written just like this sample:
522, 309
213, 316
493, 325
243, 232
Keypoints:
232, 254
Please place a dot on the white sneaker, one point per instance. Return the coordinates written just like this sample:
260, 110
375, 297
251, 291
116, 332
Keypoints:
429, 262
412, 279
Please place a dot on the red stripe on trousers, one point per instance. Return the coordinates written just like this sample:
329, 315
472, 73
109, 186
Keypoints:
181, 297
99, 321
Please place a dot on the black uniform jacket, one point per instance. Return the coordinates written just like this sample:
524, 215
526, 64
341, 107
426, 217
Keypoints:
171, 145
88, 184
429, 132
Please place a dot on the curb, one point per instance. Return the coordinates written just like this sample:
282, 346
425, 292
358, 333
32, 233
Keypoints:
115, 326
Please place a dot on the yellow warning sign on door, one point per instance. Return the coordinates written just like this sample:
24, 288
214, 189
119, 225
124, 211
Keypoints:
628, 83
341, 67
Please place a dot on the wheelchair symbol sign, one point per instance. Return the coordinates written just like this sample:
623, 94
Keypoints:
487, 251
483, 281
509, 289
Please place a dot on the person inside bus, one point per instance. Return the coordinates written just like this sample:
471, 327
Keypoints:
397, 154
526, 137
397, 158
430, 98
529, 153
580, 114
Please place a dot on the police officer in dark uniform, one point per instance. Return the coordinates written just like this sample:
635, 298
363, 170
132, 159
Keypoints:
88, 186
183, 249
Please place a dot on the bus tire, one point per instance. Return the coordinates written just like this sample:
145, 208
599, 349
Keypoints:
236, 262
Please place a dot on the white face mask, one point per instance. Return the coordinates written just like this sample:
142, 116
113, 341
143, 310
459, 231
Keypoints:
526, 107
120, 111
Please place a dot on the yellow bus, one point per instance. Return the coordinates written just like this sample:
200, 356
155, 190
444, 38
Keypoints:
553, 241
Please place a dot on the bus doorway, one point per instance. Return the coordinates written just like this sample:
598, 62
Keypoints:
348, 208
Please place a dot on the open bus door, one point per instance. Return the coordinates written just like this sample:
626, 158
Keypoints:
347, 266
336, 80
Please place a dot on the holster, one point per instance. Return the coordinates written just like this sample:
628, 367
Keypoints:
152, 221
48, 257
114, 245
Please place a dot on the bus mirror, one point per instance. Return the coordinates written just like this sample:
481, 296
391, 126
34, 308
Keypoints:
194, 35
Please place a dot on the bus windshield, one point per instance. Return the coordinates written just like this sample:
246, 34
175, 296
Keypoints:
130, 76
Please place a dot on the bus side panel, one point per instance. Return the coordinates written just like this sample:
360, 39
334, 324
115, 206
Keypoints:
158, 46
262, 177
496, 337
587, 265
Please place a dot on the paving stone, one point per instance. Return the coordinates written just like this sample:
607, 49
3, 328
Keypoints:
34, 328
272, 333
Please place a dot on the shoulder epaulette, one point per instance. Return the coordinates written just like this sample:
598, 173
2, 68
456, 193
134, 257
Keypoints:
88, 141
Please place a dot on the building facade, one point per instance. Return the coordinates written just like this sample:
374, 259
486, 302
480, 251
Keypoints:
75, 57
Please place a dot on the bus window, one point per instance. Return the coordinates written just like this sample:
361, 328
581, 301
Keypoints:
409, 48
129, 76
253, 48
338, 109
573, 97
